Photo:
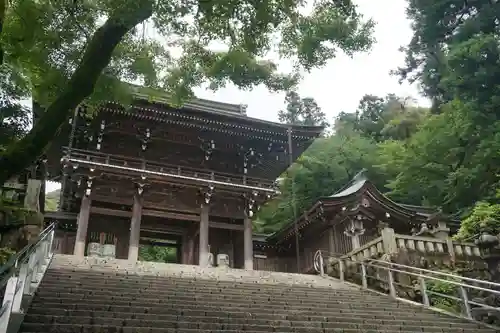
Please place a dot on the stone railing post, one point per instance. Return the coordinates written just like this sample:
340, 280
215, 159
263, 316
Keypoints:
389, 240
451, 250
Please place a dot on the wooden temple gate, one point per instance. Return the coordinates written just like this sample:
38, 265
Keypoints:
196, 174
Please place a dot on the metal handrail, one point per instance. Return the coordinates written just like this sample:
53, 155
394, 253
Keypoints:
423, 270
423, 276
23, 274
26, 251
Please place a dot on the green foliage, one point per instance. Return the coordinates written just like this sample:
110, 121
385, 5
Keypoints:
383, 118
485, 217
453, 160
371, 139
302, 111
5, 254
49, 46
323, 169
14, 118
443, 302
157, 253
52, 201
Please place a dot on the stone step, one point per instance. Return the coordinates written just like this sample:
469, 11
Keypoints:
165, 282
278, 326
225, 317
101, 329
206, 296
75, 276
321, 283
160, 269
159, 326
100, 295
221, 301
200, 286
221, 304
202, 291
244, 311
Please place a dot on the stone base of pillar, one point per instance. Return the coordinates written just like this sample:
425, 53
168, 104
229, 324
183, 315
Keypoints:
222, 260
94, 249
133, 253
108, 251
79, 249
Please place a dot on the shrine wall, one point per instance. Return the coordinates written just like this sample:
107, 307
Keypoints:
369, 235
309, 246
275, 263
342, 243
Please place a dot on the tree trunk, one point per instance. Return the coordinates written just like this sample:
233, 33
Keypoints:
81, 85
3, 10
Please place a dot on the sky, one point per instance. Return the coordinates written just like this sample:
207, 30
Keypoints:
340, 84
344, 80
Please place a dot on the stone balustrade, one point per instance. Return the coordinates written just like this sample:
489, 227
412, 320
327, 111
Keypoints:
372, 249
466, 249
422, 244
429, 245
391, 243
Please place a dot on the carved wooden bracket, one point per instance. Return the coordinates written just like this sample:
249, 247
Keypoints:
355, 228
139, 187
100, 134
141, 184
207, 146
207, 194
251, 203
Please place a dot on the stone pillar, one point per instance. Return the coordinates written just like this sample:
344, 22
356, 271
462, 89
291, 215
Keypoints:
441, 231
82, 226
135, 227
247, 243
203, 248
389, 241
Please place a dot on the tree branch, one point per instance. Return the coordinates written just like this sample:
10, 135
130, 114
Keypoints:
81, 85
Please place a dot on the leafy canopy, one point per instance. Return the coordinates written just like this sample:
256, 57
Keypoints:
180, 44
302, 111
64, 53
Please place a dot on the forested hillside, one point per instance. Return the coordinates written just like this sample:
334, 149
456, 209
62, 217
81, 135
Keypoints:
447, 156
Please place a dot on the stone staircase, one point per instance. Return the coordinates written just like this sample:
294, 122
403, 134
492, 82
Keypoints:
96, 295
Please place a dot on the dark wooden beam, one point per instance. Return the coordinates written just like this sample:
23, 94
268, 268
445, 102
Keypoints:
227, 226
166, 215
145, 212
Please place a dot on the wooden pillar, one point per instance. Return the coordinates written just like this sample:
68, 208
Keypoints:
331, 242
184, 249
82, 226
247, 243
355, 242
203, 248
179, 253
190, 255
135, 227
